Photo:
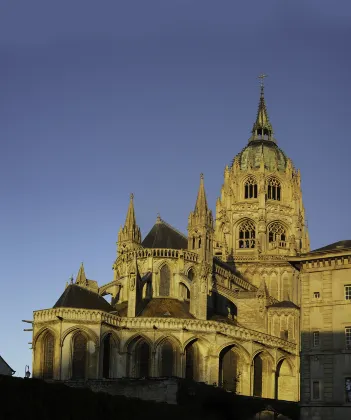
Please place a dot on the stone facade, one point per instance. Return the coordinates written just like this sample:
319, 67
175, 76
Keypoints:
219, 306
326, 333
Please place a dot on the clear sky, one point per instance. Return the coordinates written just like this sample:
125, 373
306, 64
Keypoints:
99, 99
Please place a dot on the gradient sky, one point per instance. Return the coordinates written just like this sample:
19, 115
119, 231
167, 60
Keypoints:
99, 99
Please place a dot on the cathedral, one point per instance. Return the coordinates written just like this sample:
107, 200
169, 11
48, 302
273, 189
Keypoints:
220, 305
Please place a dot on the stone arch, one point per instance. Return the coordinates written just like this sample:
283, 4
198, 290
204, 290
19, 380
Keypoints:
39, 334
133, 337
139, 357
245, 234
184, 290
110, 345
79, 348
228, 375
90, 334
167, 352
190, 273
243, 352
262, 374
284, 380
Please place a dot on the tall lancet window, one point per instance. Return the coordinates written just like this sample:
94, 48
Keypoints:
79, 356
250, 187
48, 368
247, 234
165, 281
274, 189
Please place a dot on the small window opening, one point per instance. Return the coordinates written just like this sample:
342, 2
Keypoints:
315, 338
316, 295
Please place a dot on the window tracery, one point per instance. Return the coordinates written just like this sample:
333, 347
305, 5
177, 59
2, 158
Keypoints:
165, 281
48, 369
250, 187
277, 235
274, 189
79, 356
247, 234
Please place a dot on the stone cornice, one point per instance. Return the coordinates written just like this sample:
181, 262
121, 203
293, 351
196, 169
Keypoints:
139, 324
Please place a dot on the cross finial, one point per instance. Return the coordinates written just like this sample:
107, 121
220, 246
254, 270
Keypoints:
262, 76
131, 196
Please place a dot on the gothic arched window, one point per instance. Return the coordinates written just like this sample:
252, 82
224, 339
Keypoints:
106, 356
167, 359
191, 274
165, 281
247, 234
79, 356
48, 368
277, 235
274, 189
143, 359
250, 187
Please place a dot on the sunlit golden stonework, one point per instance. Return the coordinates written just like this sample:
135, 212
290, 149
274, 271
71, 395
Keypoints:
220, 305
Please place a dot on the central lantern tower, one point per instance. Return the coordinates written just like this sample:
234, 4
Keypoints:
260, 217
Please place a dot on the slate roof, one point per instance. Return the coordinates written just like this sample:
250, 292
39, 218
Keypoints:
163, 235
284, 304
336, 246
166, 308
3, 362
76, 296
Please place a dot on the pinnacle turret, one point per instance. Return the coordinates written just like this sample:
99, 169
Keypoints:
129, 237
81, 277
201, 201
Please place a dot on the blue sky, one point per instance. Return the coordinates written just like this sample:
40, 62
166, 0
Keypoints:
99, 99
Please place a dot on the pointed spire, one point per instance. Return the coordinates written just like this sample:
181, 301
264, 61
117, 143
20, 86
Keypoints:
130, 219
201, 201
81, 277
262, 128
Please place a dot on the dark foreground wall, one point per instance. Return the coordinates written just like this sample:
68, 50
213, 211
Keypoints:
36, 399
173, 398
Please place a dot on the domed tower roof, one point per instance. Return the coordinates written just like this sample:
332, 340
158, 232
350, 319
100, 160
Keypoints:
262, 143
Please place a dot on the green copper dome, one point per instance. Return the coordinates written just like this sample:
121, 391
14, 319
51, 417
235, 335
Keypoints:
262, 144
273, 157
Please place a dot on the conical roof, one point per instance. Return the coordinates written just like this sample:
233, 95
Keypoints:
75, 296
163, 235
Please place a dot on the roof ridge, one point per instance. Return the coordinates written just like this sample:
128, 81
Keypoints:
173, 228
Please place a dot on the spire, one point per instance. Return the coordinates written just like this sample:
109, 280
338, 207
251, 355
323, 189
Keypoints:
129, 237
262, 128
201, 201
130, 219
81, 278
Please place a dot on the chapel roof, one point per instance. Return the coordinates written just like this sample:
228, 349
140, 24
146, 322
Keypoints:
336, 246
284, 304
76, 296
163, 235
